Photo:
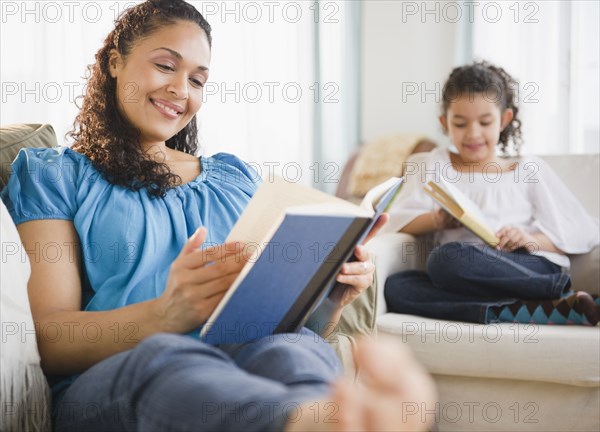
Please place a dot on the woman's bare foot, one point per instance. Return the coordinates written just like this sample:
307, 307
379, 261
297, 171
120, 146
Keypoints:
394, 393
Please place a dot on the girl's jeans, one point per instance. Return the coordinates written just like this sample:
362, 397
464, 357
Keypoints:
462, 281
177, 383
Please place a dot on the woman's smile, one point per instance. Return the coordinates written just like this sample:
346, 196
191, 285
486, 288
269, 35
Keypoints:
168, 109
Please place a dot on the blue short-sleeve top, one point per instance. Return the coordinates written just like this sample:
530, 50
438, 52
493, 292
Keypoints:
128, 239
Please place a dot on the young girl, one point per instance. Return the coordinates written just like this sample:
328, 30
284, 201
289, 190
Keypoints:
114, 306
536, 218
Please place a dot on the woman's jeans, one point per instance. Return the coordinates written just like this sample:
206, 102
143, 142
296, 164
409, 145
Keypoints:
462, 281
177, 383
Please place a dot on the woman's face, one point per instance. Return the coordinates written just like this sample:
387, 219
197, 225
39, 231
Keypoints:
159, 85
474, 123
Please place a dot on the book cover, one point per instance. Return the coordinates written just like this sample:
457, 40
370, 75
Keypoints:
296, 259
462, 208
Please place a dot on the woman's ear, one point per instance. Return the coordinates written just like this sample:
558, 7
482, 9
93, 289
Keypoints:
114, 62
507, 117
444, 123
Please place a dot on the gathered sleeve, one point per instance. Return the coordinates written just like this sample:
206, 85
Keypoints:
558, 214
412, 201
43, 185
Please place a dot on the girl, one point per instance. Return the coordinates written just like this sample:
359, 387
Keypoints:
538, 221
131, 282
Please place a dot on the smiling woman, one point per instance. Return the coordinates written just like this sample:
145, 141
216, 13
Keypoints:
142, 212
158, 89
157, 86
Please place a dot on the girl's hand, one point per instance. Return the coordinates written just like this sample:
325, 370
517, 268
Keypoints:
353, 279
443, 220
512, 238
197, 281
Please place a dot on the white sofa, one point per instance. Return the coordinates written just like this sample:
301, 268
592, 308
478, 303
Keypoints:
505, 377
541, 378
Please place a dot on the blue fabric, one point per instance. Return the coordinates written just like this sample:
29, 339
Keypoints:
463, 281
172, 382
129, 239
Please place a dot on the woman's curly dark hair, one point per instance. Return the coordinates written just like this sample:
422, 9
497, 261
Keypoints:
102, 133
496, 85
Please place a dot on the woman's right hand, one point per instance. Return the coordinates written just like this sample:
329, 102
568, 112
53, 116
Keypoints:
443, 220
198, 280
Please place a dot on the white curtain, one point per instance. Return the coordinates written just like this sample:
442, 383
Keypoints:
552, 49
336, 106
284, 93
44, 50
281, 93
258, 102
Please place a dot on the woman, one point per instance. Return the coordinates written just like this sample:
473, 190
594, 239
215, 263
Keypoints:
125, 212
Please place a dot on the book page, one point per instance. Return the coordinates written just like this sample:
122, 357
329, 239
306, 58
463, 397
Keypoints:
462, 208
463, 201
373, 196
444, 199
269, 204
329, 209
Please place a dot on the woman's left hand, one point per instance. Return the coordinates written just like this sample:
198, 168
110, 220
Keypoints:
356, 276
353, 279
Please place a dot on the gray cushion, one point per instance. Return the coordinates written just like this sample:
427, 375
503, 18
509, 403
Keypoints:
585, 271
15, 137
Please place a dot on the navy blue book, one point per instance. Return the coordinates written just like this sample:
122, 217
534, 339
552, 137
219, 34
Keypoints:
299, 238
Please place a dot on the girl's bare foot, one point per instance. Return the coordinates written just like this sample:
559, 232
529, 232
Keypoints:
394, 393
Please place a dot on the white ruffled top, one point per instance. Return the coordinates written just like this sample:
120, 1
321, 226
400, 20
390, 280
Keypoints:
531, 197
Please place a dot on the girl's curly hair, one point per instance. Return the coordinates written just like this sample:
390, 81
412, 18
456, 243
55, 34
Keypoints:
494, 83
102, 133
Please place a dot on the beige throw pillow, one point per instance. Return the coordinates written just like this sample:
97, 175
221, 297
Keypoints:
379, 160
15, 137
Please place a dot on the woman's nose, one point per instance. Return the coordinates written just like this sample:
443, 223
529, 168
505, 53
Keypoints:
178, 86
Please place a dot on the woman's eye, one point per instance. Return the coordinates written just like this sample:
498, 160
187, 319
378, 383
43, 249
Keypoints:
165, 67
197, 83
486, 123
459, 125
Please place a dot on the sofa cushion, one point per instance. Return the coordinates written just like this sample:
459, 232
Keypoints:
585, 271
357, 320
24, 398
15, 137
557, 354
581, 174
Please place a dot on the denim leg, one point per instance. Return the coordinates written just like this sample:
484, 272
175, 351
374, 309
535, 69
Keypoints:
295, 359
487, 273
412, 292
463, 281
177, 383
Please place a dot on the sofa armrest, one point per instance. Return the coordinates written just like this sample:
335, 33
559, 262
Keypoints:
394, 252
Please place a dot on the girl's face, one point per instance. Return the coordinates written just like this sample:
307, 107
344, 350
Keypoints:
159, 84
474, 123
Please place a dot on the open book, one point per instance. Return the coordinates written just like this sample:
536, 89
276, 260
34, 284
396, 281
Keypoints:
299, 238
462, 208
